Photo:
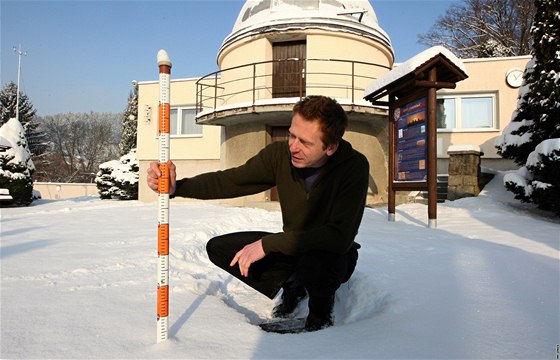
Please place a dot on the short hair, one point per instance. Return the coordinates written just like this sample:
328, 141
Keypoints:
331, 115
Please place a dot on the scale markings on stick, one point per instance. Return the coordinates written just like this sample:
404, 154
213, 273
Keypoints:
164, 64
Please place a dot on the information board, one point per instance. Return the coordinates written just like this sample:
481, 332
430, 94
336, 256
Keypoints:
411, 145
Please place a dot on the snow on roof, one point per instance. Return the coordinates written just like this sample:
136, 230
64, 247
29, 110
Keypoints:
346, 15
411, 65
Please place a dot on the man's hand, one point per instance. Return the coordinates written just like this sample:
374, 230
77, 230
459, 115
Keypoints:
154, 173
248, 255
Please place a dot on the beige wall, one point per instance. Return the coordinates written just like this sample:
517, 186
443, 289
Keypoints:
243, 141
244, 52
192, 154
183, 93
485, 76
55, 191
348, 47
371, 139
319, 46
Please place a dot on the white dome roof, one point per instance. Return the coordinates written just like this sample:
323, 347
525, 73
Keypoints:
259, 16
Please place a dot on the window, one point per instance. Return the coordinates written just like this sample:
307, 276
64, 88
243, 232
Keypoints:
183, 121
466, 112
302, 4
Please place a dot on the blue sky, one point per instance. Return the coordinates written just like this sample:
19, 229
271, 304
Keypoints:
83, 55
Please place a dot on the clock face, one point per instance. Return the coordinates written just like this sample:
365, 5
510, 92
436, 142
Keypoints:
514, 78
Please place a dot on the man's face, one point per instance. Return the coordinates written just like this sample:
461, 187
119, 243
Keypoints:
306, 146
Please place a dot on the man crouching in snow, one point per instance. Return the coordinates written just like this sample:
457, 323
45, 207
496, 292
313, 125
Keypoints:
322, 186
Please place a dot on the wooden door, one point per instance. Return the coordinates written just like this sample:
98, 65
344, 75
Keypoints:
278, 133
288, 77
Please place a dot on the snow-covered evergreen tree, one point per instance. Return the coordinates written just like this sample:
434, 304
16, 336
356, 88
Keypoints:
27, 118
516, 140
532, 139
118, 179
16, 166
129, 124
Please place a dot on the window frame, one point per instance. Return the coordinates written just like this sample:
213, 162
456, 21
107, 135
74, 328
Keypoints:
179, 123
458, 97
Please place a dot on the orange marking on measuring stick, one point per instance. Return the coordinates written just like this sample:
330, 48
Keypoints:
163, 301
163, 180
163, 239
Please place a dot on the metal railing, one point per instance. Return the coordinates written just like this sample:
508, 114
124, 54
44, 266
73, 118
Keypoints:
260, 81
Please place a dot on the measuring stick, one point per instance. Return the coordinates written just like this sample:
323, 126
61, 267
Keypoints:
163, 202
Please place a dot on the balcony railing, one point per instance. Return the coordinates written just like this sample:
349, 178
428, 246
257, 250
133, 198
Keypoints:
255, 83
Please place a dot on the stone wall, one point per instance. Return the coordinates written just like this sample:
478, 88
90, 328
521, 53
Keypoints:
464, 171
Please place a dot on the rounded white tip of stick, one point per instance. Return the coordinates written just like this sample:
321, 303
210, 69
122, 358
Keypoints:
163, 58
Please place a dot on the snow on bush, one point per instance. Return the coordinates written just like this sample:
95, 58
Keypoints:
118, 179
16, 166
530, 182
512, 137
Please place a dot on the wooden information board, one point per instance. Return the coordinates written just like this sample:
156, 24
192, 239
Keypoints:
411, 91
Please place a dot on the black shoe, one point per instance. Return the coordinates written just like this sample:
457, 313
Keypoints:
291, 297
320, 313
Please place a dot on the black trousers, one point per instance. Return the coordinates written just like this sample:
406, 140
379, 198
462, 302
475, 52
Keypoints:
320, 273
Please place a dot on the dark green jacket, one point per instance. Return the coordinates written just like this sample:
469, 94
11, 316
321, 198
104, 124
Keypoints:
326, 218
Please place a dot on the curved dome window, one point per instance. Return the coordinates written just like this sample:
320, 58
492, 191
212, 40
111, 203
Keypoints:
255, 9
303, 4
334, 3
262, 5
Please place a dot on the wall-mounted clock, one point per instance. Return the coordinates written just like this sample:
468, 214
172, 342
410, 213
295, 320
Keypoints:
514, 78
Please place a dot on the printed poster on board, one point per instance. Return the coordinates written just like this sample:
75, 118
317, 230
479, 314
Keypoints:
411, 141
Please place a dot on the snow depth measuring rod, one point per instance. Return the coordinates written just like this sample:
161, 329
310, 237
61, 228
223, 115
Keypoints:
164, 64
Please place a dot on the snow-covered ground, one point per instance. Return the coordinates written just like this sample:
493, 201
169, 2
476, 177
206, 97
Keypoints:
79, 281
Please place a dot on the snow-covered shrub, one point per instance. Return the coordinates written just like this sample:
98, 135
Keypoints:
532, 139
531, 183
118, 179
16, 166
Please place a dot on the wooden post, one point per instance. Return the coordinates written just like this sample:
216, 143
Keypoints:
392, 149
432, 150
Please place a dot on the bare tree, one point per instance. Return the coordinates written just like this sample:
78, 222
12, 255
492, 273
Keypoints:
484, 28
78, 143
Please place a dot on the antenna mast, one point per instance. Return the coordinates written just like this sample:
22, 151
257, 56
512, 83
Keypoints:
20, 54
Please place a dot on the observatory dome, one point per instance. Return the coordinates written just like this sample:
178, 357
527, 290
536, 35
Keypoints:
263, 16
